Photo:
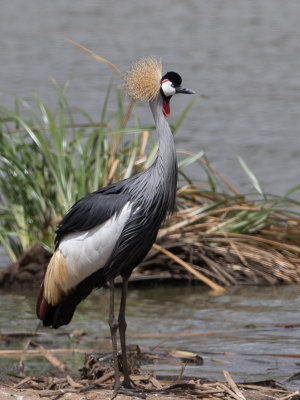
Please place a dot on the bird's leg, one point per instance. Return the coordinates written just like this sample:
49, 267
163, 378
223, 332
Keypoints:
122, 331
113, 324
127, 390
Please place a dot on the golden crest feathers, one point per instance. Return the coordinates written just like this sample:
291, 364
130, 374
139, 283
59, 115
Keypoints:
142, 82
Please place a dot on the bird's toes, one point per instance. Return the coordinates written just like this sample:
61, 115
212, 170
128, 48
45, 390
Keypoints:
130, 392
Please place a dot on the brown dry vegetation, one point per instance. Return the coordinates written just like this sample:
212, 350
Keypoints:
96, 382
196, 245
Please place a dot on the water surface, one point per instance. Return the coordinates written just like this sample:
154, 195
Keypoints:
244, 56
243, 331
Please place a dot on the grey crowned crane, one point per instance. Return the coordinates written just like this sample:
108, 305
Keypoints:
109, 232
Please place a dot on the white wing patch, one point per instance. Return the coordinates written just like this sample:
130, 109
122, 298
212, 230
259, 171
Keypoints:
85, 252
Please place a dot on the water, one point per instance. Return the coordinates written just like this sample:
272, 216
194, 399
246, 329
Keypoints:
244, 56
243, 329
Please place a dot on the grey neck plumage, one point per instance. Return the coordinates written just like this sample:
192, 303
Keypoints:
155, 188
166, 162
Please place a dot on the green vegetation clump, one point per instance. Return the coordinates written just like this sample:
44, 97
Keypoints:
48, 161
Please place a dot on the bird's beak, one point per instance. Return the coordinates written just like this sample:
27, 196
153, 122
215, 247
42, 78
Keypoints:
180, 89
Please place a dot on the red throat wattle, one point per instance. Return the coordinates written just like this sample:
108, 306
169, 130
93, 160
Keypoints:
166, 109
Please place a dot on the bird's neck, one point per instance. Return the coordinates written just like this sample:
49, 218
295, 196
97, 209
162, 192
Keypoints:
166, 162
166, 150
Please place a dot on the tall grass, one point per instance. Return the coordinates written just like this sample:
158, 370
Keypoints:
47, 162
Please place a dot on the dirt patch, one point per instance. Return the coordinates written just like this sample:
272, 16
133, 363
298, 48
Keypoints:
28, 271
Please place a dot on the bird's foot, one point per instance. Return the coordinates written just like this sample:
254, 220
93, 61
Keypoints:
128, 391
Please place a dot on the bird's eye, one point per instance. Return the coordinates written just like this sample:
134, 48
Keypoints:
168, 88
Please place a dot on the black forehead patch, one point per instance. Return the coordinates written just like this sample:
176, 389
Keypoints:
173, 77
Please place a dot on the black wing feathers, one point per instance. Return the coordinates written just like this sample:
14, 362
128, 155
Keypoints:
92, 210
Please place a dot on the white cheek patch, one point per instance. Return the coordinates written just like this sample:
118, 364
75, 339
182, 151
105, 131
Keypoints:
167, 88
85, 252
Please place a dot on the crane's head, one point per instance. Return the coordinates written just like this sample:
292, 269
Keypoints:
145, 82
170, 85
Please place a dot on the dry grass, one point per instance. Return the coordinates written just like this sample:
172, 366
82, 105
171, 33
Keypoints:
97, 379
213, 236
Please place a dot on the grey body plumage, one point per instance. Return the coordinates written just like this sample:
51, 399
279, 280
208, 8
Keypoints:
110, 231
152, 195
